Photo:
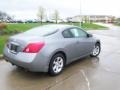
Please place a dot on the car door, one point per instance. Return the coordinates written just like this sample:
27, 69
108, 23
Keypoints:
84, 44
71, 45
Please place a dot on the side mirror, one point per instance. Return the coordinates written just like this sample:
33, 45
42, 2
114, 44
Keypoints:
89, 35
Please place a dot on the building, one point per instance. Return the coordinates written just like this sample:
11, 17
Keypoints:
92, 18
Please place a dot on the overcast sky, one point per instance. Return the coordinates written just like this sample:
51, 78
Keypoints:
27, 9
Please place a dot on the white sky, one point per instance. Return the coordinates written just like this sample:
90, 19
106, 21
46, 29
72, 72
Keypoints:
27, 9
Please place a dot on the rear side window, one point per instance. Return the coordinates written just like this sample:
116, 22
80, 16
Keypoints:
67, 34
78, 33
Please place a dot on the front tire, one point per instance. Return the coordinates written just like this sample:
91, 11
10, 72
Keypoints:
56, 64
96, 50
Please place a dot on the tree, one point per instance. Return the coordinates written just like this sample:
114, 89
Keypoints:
4, 16
56, 16
41, 14
118, 21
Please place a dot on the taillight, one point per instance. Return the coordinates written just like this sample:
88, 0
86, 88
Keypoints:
34, 47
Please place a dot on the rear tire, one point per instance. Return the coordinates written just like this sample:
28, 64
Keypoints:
56, 64
96, 50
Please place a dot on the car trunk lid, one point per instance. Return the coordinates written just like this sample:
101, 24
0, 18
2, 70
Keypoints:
18, 42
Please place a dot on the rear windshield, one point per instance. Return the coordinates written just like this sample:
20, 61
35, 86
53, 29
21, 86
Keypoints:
45, 30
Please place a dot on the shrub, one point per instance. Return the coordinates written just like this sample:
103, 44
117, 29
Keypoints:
8, 32
3, 26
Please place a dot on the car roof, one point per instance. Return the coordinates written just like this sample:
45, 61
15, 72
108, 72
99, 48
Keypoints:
47, 29
58, 26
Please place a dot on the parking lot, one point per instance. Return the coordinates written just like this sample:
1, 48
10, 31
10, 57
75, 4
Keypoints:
101, 73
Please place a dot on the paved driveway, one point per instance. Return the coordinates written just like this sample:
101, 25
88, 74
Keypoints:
102, 73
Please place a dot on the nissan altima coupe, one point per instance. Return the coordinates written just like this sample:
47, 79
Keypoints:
49, 48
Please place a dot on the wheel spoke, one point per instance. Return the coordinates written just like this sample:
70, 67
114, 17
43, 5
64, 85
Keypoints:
57, 69
54, 68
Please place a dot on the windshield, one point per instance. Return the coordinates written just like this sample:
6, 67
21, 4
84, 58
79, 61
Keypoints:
42, 31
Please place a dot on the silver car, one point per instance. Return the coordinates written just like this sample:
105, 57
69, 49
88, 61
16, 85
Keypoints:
49, 48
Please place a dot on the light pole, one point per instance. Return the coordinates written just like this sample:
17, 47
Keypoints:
80, 13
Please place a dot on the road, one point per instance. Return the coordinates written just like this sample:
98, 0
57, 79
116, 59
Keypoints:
101, 73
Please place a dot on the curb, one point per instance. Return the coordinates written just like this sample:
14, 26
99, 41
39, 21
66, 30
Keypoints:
1, 56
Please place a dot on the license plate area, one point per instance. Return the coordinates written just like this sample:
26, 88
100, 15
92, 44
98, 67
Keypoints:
14, 48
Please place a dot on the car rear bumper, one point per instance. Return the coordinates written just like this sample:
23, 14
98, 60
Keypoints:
26, 60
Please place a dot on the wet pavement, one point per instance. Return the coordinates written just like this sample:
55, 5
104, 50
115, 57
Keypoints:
101, 73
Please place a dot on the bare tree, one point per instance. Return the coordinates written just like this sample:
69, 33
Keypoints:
4, 16
56, 16
41, 14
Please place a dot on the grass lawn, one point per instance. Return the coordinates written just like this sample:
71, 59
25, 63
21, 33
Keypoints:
116, 24
88, 26
24, 27
3, 40
21, 26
